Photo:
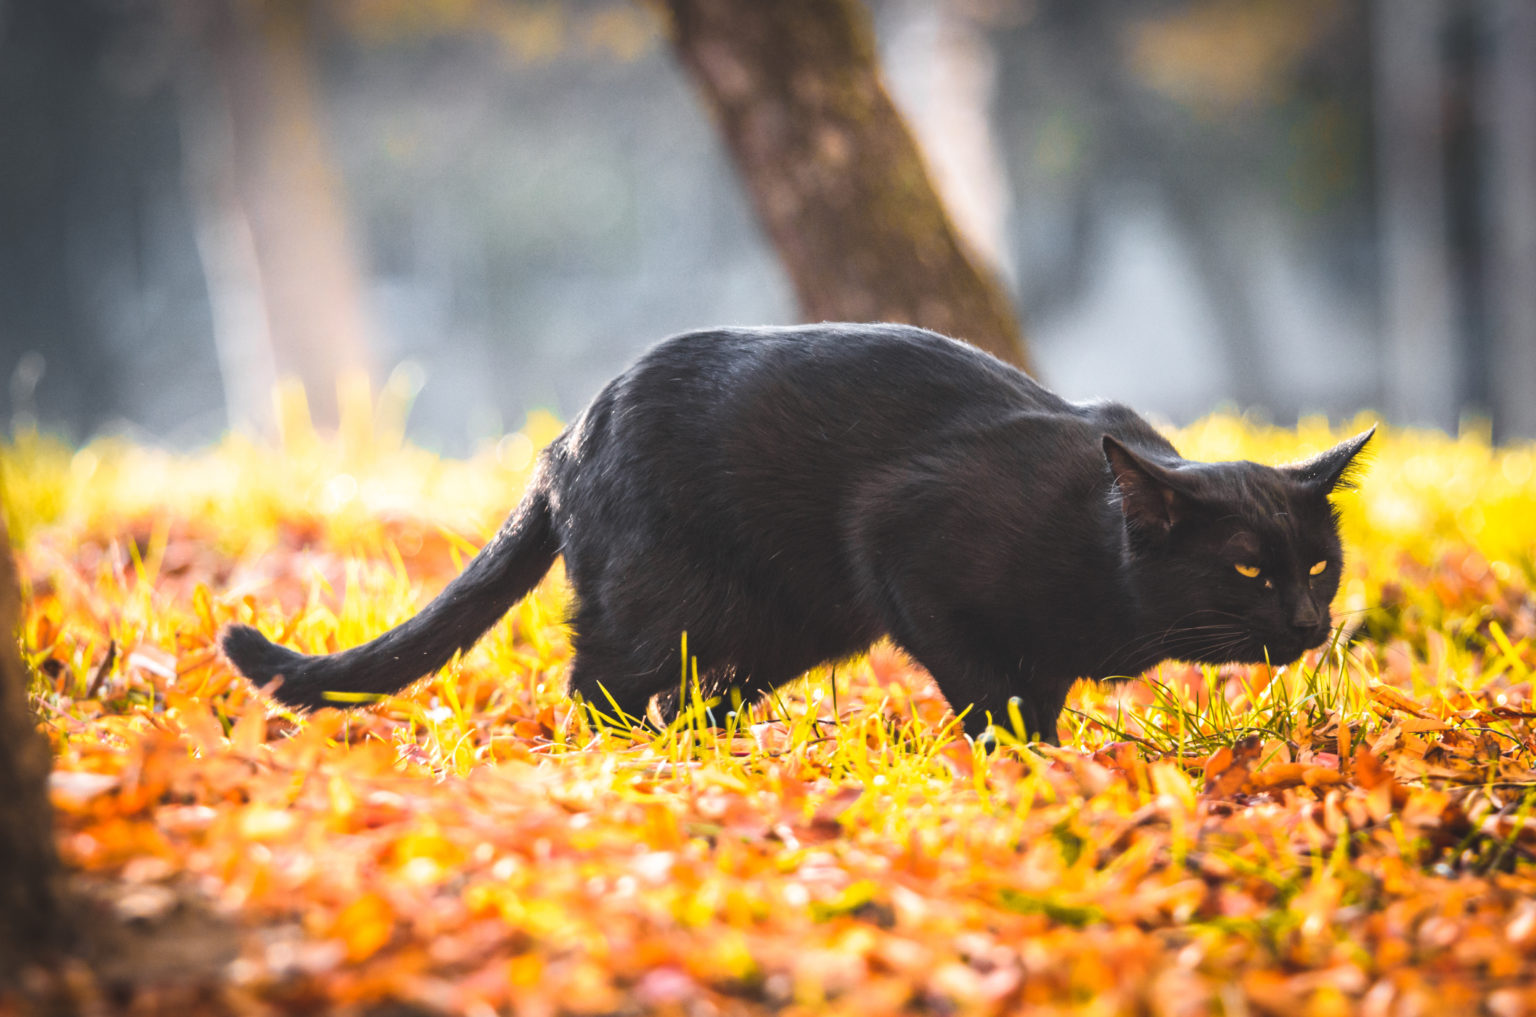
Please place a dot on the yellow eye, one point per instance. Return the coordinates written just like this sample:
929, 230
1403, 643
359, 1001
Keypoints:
1319, 568
1251, 571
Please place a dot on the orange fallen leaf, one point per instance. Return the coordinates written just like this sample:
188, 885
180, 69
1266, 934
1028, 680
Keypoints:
1228, 770
250, 730
1278, 776
1322, 778
1390, 698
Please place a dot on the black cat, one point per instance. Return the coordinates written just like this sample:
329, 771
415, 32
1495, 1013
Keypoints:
786, 496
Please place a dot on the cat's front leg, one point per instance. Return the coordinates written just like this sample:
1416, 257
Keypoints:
979, 688
1041, 707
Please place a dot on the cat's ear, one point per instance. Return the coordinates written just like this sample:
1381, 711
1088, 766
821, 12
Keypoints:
1339, 468
1151, 498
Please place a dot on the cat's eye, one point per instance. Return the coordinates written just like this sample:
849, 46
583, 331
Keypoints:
1251, 571
1319, 568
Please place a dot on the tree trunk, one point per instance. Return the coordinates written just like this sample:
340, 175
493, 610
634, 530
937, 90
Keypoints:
29, 917
834, 174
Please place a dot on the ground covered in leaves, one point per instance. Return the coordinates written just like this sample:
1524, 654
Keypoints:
1354, 834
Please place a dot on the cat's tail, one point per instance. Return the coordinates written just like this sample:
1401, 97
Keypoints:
499, 576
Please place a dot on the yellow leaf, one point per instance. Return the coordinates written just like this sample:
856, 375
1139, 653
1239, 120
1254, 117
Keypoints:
365, 926
262, 822
1168, 779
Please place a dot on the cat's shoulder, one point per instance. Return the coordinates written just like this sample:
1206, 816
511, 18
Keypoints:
1124, 424
841, 340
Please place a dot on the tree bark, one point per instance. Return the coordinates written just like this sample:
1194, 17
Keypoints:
835, 177
29, 915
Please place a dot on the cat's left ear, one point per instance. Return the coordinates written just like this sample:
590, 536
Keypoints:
1338, 468
1151, 498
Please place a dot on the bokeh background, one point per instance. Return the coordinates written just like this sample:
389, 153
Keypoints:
1286, 206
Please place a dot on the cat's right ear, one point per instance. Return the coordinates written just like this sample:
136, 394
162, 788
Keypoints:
1150, 498
1337, 469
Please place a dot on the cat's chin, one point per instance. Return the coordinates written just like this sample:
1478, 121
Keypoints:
1276, 653
1280, 653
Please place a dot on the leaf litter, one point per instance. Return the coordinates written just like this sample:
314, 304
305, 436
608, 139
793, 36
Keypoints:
1352, 834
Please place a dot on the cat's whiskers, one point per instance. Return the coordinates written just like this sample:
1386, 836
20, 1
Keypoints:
1219, 642
1181, 635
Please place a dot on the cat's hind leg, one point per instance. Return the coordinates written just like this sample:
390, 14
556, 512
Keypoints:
615, 677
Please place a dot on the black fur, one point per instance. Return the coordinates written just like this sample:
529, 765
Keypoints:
786, 496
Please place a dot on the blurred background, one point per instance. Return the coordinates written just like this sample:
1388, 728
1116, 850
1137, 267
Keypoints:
1285, 206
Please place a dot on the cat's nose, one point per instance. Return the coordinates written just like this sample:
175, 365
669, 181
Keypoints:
1306, 615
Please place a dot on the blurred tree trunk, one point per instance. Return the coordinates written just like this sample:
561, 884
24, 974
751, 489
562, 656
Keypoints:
282, 272
29, 917
832, 170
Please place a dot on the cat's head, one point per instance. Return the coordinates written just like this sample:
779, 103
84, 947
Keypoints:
1233, 562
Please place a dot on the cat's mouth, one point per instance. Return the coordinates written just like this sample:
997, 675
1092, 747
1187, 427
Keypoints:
1288, 648
1277, 649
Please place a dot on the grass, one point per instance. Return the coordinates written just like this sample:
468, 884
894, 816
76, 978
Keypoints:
1354, 833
